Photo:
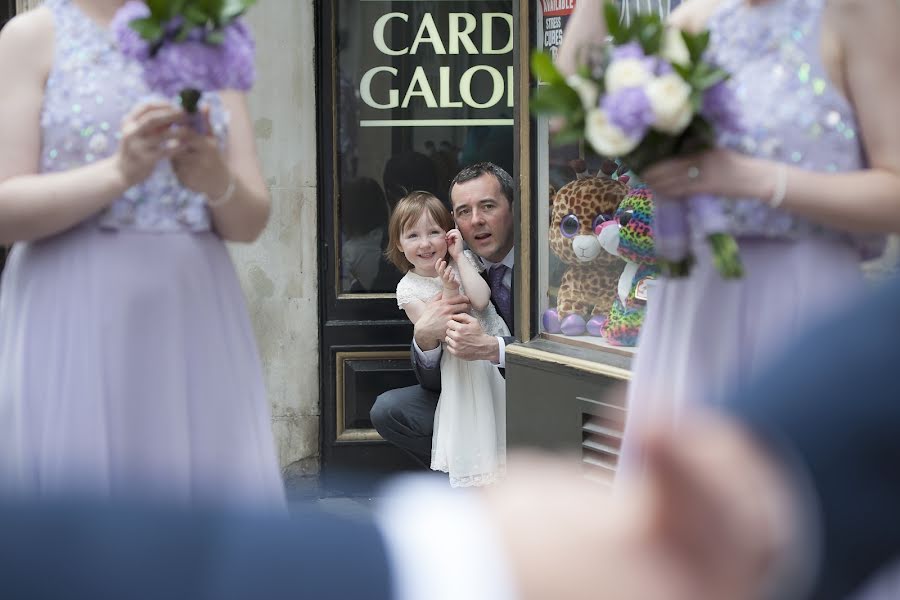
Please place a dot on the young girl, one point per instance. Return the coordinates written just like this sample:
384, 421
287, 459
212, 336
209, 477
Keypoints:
469, 440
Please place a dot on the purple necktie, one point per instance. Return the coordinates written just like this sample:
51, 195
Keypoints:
499, 292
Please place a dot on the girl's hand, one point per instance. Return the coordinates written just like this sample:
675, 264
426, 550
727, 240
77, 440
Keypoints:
719, 172
454, 243
445, 272
148, 136
200, 164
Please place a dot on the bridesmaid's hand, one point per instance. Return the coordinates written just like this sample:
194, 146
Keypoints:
148, 136
200, 164
720, 172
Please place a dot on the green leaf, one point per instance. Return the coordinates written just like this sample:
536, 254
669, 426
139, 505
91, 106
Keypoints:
183, 32
696, 44
215, 37
235, 8
615, 28
195, 16
685, 71
543, 68
555, 100
708, 77
148, 28
650, 34
569, 135
160, 10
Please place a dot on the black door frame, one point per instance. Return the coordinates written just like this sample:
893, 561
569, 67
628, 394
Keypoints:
365, 334
363, 338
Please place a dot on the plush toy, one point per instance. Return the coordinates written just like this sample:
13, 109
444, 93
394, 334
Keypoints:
588, 285
629, 235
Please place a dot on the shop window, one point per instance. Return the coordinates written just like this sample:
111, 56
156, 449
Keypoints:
422, 89
577, 277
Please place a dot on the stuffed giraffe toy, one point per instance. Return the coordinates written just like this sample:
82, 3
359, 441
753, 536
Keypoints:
588, 286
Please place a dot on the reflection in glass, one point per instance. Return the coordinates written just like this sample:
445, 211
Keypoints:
423, 89
576, 194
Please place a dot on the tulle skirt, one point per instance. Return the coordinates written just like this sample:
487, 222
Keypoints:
469, 440
128, 367
703, 335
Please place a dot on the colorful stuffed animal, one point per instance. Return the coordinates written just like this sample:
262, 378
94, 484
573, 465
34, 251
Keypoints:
629, 235
588, 285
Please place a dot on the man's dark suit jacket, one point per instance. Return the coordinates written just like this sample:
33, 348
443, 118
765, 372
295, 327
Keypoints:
74, 551
430, 378
833, 402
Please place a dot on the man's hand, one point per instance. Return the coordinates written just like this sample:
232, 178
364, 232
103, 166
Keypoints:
466, 340
431, 328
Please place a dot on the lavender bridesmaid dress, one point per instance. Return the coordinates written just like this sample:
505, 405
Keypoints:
128, 365
703, 335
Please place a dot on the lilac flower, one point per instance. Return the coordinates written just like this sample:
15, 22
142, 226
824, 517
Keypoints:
662, 67
720, 107
629, 50
192, 63
130, 42
629, 109
202, 66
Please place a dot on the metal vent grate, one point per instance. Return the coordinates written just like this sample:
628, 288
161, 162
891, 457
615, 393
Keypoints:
602, 425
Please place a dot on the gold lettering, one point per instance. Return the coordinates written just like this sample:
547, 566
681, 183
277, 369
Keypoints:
487, 42
365, 88
458, 35
378, 33
446, 102
465, 86
424, 89
434, 36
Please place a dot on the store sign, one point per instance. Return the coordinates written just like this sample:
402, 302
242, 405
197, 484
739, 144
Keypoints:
555, 15
439, 66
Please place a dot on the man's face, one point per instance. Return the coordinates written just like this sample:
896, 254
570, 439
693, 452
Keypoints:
484, 216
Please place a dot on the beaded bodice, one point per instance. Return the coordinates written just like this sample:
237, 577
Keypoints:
90, 88
790, 110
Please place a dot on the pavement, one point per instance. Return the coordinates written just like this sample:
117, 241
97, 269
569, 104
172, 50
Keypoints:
311, 492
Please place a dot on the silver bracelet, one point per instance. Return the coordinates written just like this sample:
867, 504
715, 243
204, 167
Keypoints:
780, 185
226, 195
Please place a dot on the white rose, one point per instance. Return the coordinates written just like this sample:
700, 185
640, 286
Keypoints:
587, 90
626, 73
670, 99
606, 138
674, 49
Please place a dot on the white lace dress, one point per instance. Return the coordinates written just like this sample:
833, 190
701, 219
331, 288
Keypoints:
469, 441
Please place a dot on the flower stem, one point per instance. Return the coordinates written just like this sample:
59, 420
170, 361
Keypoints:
726, 255
190, 98
677, 269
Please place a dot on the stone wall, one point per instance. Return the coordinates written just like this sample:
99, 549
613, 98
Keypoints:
279, 272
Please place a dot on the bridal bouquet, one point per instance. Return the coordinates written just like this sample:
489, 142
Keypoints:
188, 47
645, 96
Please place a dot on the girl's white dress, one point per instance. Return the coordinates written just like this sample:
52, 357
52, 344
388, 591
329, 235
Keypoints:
469, 441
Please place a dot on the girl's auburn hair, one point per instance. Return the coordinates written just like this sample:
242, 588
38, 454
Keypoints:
408, 211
